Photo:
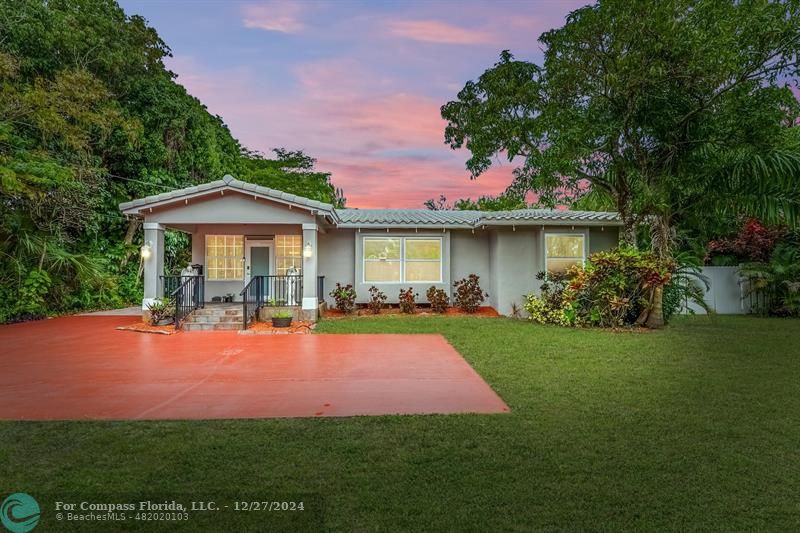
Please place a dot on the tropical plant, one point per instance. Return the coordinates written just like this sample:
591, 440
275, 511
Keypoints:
345, 297
468, 293
611, 290
161, 310
687, 285
438, 299
408, 301
778, 280
377, 300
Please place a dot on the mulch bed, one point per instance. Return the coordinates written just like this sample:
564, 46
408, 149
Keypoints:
421, 311
144, 327
265, 328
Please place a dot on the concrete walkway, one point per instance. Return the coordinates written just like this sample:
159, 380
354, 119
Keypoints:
136, 310
80, 367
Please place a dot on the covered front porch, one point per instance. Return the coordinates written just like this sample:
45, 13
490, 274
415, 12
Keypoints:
250, 245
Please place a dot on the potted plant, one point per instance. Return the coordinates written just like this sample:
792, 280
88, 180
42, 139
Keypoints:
162, 312
281, 319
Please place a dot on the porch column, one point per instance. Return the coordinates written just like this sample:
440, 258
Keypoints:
153, 265
310, 297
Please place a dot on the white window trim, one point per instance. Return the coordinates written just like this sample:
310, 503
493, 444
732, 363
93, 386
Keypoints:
206, 257
300, 256
584, 236
402, 260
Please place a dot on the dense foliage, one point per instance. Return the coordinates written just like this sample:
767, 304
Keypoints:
345, 298
377, 300
468, 293
769, 257
674, 111
408, 300
611, 290
438, 299
90, 117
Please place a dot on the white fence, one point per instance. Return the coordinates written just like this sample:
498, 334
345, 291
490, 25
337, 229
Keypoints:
726, 293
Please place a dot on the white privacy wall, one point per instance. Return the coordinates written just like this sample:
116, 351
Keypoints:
725, 292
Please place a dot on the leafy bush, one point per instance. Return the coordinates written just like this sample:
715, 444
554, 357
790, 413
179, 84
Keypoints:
31, 301
282, 313
754, 243
610, 290
377, 300
688, 284
777, 280
345, 296
438, 299
469, 295
161, 310
408, 302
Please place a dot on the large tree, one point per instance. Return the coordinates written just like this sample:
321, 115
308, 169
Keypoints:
90, 117
663, 107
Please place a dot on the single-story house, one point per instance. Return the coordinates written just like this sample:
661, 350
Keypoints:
300, 248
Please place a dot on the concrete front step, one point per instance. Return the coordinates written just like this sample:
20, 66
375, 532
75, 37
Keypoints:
212, 319
223, 326
217, 312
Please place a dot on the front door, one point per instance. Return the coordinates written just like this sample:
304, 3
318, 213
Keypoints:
259, 263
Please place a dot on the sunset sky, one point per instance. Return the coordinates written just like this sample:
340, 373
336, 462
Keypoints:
357, 85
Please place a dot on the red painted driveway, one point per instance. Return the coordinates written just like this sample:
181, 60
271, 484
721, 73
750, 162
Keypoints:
80, 367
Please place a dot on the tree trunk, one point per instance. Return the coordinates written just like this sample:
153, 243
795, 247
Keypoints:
655, 318
133, 227
662, 240
627, 234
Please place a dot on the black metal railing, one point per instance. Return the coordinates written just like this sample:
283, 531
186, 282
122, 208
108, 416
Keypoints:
252, 298
187, 297
270, 291
320, 289
169, 284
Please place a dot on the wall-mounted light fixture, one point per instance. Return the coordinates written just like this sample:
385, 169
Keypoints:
308, 251
146, 250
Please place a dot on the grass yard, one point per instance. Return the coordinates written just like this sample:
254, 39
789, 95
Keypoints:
693, 428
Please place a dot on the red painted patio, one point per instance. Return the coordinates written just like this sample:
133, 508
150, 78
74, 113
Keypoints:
80, 367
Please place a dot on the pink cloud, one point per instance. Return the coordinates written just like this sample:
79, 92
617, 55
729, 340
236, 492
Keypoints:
282, 17
384, 147
433, 31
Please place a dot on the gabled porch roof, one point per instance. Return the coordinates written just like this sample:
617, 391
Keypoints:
135, 208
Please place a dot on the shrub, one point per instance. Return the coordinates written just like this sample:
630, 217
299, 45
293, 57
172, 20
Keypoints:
610, 290
438, 299
469, 295
345, 297
408, 302
377, 300
754, 243
161, 310
282, 313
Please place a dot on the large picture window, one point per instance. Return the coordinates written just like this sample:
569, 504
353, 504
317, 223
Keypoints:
224, 255
563, 251
402, 259
288, 253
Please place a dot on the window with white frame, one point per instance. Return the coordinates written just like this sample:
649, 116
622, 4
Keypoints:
562, 251
288, 253
402, 259
224, 255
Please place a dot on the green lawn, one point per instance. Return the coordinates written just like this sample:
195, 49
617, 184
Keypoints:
693, 428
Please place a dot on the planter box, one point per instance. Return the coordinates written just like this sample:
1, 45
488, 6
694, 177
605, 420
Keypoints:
281, 322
